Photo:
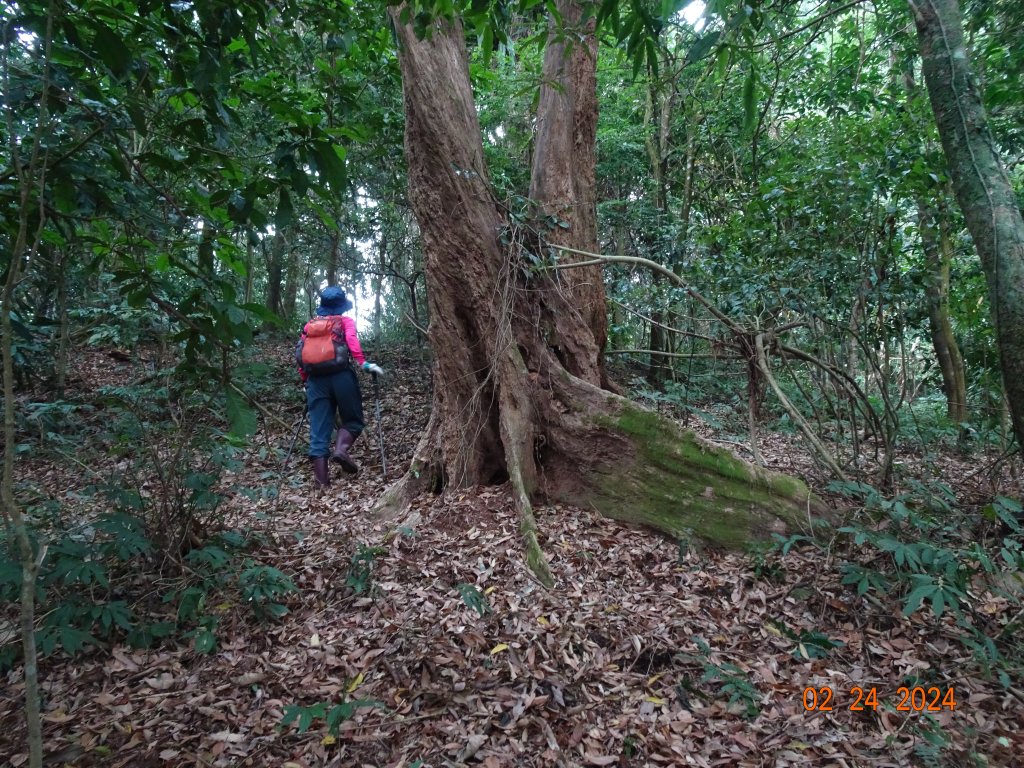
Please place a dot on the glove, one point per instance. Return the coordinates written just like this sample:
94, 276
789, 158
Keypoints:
376, 370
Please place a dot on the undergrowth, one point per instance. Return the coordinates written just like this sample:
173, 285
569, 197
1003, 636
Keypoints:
922, 552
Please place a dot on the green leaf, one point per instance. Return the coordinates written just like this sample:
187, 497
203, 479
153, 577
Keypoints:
241, 416
703, 46
749, 100
487, 45
652, 57
111, 49
330, 159
917, 596
285, 211
205, 641
73, 640
722, 64
473, 598
304, 715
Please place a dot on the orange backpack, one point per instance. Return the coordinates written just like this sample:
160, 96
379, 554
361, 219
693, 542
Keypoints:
319, 353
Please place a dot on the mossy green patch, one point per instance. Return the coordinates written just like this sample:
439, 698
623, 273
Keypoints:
675, 483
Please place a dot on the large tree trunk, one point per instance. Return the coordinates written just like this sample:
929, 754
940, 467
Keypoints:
507, 402
562, 182
980, 183
937, 245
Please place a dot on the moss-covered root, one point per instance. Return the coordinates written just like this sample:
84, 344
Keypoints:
675, 482
396, 499
516, 437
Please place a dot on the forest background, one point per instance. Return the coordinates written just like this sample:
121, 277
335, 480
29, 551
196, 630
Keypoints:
181, 179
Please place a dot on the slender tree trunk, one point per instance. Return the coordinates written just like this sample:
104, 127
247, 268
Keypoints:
687, 204
31, 180
64, 332
11, 511
656, 143
207, 239
937, 245
275, 270
249, 267
378, 284
980, 183
333, 257
938, 252
291, 284
507, 403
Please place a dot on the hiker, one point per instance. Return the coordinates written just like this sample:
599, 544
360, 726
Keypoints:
325, 356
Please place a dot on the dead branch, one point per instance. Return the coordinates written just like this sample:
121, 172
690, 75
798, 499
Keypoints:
801, 422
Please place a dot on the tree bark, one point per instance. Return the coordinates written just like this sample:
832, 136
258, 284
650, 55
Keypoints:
378, 286
514, 398
291, 284
333, 257
562, 183
938, 252
275, 271
980, 183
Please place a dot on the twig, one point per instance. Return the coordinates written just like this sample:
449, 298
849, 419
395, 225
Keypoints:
823, 454
414, 324
597, 258
659, 353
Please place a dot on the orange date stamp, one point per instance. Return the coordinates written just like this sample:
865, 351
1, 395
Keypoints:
857, 699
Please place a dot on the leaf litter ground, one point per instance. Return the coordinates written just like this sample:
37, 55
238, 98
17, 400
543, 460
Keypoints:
646, 653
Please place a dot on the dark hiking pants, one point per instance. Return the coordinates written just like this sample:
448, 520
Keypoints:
324, 395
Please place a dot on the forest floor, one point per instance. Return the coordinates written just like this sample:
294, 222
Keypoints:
645, 653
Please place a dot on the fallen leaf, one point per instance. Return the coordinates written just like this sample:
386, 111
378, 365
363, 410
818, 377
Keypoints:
249, 678
473, 745
356, 682
231, 738
161, 683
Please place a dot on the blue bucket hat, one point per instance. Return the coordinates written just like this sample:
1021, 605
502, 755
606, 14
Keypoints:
333, 302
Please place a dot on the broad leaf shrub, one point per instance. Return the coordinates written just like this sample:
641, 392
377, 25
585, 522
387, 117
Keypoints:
92, 590
155, 505
332, 715
360, 569
936, 560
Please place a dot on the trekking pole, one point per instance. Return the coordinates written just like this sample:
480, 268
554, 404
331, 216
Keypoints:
380, 435
305, 411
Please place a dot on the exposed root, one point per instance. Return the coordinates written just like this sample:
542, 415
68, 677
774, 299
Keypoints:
603, 452
517, 438
424, 473
631, 464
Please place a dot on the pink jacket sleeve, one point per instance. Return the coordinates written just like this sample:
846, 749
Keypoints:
302, 373
352, 340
